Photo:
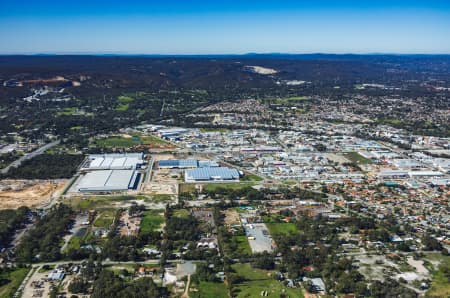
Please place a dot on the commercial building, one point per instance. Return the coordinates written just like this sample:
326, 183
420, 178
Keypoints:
178, 164
185, 164
108, 180
211, 174
116, 161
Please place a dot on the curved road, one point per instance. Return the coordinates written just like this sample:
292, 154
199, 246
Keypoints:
27, 156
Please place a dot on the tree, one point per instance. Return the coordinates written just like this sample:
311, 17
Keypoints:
263, 261
79, 286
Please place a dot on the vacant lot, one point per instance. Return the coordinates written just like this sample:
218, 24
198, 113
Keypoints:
251, 177
236, 185
357, 158
181, 213
440, 286
231, 217
152, 220
281, 228
208, 289
254, 281
100, 202
126, 141
105, 219
31, 193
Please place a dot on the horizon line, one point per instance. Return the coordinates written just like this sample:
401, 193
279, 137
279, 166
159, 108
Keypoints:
83, 53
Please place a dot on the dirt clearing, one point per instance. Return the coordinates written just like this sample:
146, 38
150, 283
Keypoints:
231, 217
31, 193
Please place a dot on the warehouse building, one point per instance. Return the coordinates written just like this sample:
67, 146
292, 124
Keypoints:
108, 180
185, 164
116, 161
178, 164
211, 174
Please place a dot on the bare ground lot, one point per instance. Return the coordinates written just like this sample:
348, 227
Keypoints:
163, 181
231, 217
31, 193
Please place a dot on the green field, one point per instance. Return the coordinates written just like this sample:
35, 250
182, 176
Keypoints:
190, 187
357, 158
125, 99
440, 284
297, 98
74, 243
289, 100
281, 228
14, 278
99, 202
161, 198
254, 281
251, 177
208, 289
122, 107
214, 129
236, 185
67, 112
186, 188
105, 219
243, 245
152, 220
181, 213
124, 142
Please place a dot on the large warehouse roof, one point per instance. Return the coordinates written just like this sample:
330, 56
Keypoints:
126, 161
211, 173
178, 163
186, 163
107, 180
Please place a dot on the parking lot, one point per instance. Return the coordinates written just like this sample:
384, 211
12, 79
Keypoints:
259, 237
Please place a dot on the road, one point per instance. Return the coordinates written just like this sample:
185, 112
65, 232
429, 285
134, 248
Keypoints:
27, 156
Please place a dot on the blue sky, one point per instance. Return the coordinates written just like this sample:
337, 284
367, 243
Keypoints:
224, 27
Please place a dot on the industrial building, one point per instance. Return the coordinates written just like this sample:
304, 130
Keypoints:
185, 164
115, 161
108, 180
178, 164
211, 174
109, 172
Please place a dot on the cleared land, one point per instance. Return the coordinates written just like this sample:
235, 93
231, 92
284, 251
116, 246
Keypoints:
208, 289
31, 193
251, 177
357, 158
101, 202
231, 217
440, 285
127, 141
105, 219
243, 245
236, 185
281, 228
152, 220
254, 281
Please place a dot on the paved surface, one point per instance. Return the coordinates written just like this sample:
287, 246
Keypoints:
78, 224
262, 241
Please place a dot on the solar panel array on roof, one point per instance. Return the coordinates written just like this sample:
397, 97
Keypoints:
207, 164
178, 163
211, 174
